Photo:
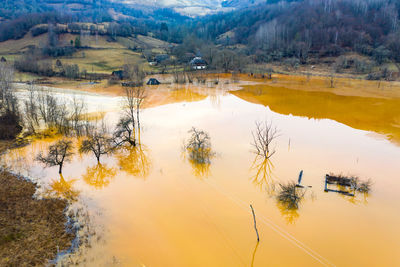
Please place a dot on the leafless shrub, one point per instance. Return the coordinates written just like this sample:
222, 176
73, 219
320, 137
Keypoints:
290, 195
58, 153
199, 146
364, 186
263, 136
198, 149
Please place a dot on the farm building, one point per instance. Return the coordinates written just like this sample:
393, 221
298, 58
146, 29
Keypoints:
198, 63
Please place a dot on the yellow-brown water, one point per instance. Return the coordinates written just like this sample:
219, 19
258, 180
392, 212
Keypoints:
152, 207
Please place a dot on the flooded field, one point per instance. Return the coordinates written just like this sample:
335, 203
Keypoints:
151, 205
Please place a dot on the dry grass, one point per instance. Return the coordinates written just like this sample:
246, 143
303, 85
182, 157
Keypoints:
103, 60
32, 231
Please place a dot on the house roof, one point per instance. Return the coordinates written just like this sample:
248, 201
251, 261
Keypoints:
198, 61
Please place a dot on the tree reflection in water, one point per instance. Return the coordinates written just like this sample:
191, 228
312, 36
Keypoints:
63, 188
134, 160
263, 178
198, 150
290, 214
99, 176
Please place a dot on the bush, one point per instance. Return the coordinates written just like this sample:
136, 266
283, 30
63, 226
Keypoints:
9, 126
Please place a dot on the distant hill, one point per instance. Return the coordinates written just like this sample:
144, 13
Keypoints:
279, 29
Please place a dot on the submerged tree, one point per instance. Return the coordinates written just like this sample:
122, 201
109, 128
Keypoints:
133, 100
98, 144
290, 195
58, 153
125, 131
264, 134
198, 148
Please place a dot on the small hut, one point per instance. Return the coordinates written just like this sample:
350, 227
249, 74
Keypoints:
153, 81
3, 59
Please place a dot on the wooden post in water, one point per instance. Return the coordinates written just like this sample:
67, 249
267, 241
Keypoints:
255, 224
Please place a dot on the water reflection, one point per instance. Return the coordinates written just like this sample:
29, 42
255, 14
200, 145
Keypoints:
290, 214
254, 254
352, 196
289, 197
134, 160
366, 113
99, 176
63, 188
263, 178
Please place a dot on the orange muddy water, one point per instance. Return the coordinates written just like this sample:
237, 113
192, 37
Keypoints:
150, 206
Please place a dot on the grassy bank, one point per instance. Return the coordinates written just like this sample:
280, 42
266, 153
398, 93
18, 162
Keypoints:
32, 231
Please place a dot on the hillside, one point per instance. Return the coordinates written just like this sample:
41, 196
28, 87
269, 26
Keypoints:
341, 36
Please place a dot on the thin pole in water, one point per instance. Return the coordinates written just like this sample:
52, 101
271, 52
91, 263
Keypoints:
255, 224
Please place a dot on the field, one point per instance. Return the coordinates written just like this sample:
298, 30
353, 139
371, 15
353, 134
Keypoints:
98, 53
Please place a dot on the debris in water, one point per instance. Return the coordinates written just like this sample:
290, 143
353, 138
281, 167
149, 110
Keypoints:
347, 184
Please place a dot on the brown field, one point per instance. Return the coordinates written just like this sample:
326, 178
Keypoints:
32, 231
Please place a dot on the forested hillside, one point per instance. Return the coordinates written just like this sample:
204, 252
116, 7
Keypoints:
293, 32
301, 28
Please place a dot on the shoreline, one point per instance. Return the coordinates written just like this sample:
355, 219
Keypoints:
34, 231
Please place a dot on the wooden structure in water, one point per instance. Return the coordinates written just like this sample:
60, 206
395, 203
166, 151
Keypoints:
343, 182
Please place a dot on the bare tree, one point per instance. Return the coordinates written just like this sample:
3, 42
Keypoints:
8, 101
264, 134
133, 102
125, 131
140, 95
134, 74
58, 153
98, 143
31, 117
199, 146
129, 119
78, 109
